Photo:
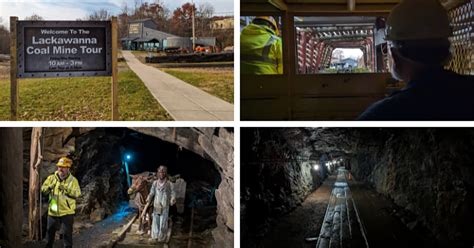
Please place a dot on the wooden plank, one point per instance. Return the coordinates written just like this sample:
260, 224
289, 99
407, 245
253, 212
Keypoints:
367, 84
265, 109
291, 55
321, 2
34, 214
254, 9
14, 87
279, 4
263, 86
360, 10
124, 230
331, 108
115, 111
351, 5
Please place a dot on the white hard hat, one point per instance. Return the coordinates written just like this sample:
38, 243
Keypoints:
418, 20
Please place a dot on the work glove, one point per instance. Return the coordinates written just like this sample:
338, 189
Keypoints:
173, 201
62, 187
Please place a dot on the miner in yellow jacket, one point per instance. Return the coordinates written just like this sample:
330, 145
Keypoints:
261, 47
63, 190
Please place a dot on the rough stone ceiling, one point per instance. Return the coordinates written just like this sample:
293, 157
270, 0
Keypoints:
311, 142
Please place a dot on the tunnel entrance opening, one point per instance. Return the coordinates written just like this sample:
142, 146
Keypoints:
337, 44
147, 153
100, 155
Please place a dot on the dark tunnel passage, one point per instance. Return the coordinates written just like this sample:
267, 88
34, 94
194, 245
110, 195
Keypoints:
146, 153
101, 156
357, 187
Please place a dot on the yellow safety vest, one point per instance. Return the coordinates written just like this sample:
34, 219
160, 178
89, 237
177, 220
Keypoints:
260, 51
61, 202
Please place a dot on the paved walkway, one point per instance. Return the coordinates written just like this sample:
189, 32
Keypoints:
183, 101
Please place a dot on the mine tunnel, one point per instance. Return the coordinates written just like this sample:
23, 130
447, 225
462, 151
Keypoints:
335, 56
105, 161
357, 187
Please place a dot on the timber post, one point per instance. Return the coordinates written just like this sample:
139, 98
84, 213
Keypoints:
13, 70
34, 214
11, 185
115, 112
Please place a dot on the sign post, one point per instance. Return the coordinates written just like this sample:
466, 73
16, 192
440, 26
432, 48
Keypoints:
13, 72
115, 113
42, 49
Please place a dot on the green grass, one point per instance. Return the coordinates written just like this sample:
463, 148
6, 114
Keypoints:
88, 98
216, 82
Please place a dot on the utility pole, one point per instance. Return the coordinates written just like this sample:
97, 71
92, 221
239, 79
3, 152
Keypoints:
194, 32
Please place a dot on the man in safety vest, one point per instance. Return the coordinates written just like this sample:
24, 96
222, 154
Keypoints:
63, 190
261, 47
417, 33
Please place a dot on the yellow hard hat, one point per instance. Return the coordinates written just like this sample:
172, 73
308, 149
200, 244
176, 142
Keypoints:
270, 20
418, 20
64, 162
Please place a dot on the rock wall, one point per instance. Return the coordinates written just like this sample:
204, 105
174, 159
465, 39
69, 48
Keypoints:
98, 159
276, 176
429, 172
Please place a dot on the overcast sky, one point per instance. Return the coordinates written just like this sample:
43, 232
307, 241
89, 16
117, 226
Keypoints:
354, 53
73, 9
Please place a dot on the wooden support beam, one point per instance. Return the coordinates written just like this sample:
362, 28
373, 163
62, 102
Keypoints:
280, 4
14, 89
34, 214
351, 5
115, 111
11, 186
290, 54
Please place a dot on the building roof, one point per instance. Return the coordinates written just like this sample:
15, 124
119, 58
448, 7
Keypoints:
141, 20
128, 38
149, 33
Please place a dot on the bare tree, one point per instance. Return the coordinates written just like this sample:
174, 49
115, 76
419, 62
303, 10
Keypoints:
34, 17
4, 40
204, 14
123, 19
99, 15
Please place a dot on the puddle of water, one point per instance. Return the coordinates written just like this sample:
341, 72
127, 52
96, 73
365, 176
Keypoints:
340, 184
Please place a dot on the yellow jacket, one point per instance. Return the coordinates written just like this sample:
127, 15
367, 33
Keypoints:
260, 51
62, 194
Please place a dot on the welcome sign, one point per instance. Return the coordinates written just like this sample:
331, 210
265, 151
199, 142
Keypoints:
64, 48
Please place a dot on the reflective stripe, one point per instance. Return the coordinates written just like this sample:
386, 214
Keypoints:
268, 46
251, 58
265, 53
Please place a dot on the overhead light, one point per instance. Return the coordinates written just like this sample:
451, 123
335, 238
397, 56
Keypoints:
128, 156
316, 167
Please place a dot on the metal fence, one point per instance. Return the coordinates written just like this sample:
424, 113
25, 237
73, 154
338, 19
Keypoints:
462, 41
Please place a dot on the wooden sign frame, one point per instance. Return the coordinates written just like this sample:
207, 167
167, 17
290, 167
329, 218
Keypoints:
16, 51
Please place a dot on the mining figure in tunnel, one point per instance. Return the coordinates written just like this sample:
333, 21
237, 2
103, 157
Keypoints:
141, 188
163, 196
419, 47
63, 190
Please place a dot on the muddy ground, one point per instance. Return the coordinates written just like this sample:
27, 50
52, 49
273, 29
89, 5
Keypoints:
304, 222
